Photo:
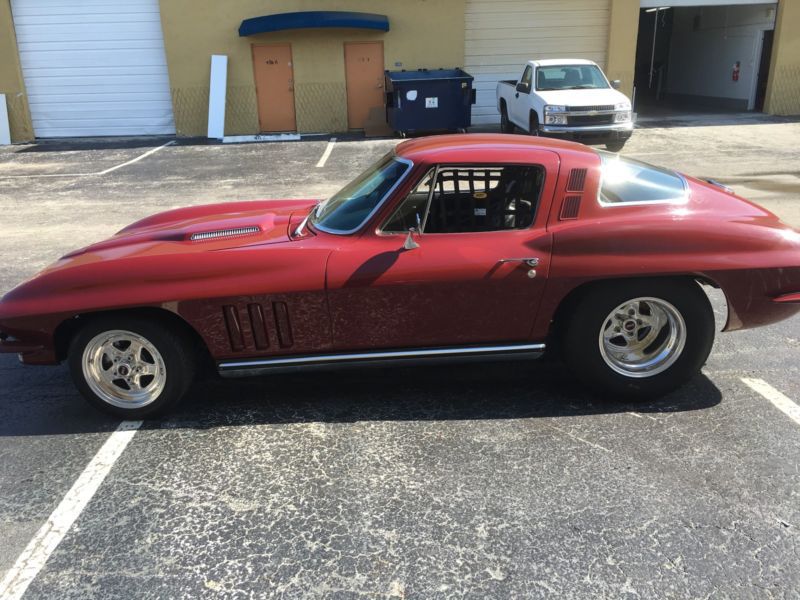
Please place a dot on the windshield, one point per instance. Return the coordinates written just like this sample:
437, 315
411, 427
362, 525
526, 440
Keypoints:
350, 207
570, 77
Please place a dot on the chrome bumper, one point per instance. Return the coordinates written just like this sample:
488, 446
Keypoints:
587, 128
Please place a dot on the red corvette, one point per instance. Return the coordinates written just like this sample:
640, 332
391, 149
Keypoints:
453, 247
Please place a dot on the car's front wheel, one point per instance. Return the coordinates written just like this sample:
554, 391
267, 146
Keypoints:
616, 145
131, 367
533, 124
638, 340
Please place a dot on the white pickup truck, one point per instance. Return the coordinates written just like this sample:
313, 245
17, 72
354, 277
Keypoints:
570, 98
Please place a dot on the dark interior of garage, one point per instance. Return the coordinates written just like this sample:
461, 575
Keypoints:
701, 59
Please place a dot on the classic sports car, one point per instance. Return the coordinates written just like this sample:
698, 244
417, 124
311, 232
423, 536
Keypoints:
453, 247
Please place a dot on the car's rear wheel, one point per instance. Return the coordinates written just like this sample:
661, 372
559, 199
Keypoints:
131, 367
506, 126
639, 339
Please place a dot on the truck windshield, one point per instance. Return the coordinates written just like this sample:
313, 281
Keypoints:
570, 77
350, 207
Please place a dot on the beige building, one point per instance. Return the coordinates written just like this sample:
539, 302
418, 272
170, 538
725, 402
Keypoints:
94, 68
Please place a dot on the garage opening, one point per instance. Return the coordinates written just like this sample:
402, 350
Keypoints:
94, 68
702, 59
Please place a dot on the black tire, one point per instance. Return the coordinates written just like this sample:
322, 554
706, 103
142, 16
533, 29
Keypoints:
506, 126
179, 364
581, 342
533, 124
615, 146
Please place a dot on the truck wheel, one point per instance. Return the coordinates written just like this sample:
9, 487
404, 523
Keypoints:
131, 367
506, 126
639, 339
533, 124
615, 146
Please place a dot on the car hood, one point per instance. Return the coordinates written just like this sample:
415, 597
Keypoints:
583, 97
203, 228
148, 256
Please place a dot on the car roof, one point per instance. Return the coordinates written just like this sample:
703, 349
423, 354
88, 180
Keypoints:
549, 62
477, 147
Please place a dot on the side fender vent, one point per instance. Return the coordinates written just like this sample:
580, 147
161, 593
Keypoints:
570, 208
224, 233
232, 324
576, 181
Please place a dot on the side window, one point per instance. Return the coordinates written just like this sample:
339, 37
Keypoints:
527, 76
626, 180
405, 217
472, 199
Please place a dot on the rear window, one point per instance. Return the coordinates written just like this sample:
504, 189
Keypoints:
625, 180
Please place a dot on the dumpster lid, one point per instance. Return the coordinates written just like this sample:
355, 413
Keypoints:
428, 74
313, 19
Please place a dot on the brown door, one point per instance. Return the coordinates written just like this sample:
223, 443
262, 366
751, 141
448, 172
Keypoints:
363, 66
272, 66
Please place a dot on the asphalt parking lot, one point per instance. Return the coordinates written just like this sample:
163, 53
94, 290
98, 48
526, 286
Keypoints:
497, 480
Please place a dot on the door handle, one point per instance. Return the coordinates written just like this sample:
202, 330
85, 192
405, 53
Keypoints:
531, 262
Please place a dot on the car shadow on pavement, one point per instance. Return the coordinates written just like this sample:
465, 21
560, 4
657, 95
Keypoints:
513, 390
50, 405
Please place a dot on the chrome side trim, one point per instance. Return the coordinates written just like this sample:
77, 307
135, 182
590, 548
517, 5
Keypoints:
254, 366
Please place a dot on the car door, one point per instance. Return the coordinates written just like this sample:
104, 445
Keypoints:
465, 283
521, 105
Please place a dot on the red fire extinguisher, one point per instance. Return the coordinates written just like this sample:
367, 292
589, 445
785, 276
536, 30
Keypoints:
735, 74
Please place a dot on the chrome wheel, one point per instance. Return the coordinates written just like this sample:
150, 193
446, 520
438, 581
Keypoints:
124, 369
642, 337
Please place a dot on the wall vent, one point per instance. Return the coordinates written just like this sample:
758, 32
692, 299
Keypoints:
570, 208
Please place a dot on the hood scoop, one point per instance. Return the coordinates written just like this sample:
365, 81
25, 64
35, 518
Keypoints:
204, 236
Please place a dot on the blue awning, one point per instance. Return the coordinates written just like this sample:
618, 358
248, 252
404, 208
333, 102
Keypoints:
313, 19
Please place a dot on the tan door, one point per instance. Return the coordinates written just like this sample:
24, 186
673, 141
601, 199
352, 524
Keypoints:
272, 66
363, 66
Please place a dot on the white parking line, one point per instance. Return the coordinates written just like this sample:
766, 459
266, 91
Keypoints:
328, 149
137, 159
39, 549
104, 172
780, 401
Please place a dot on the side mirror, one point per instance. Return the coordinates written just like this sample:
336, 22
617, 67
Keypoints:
525, 88
410, 244
616, 83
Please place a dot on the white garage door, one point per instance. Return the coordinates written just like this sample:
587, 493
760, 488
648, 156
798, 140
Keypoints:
94, 67
501, 35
